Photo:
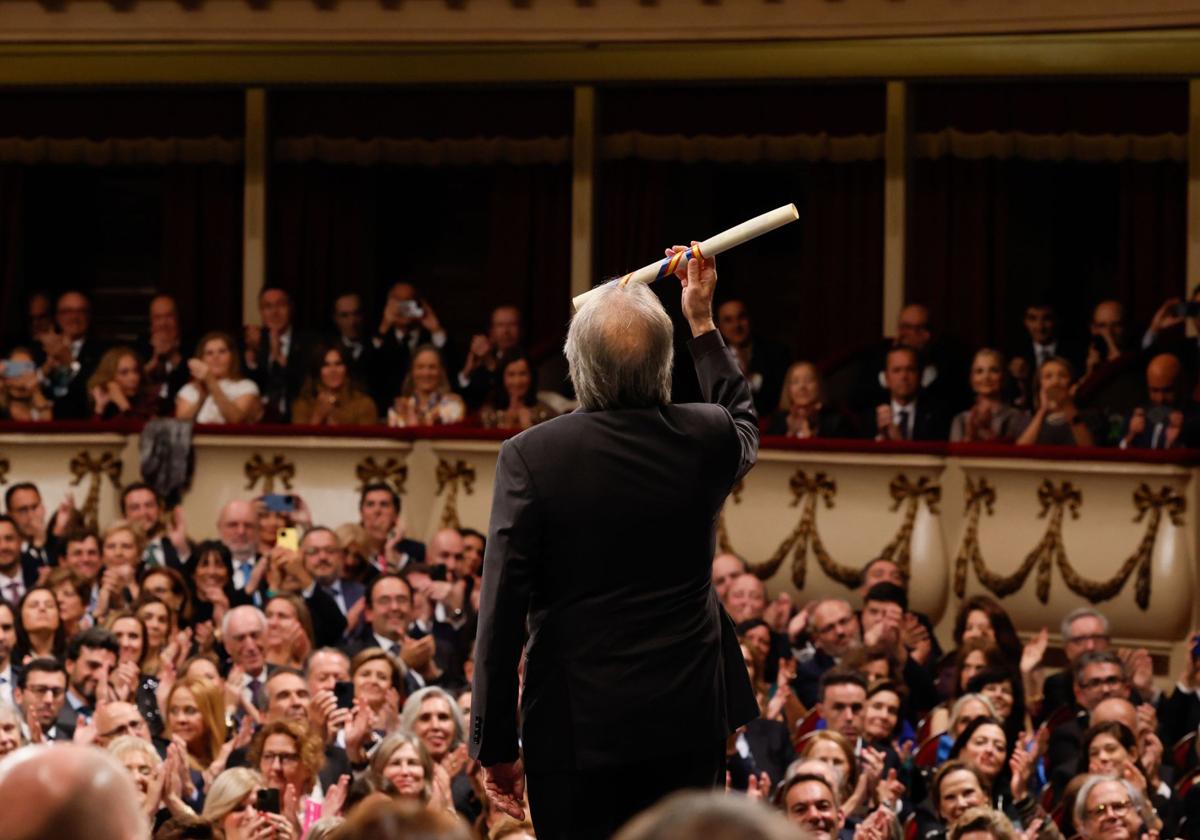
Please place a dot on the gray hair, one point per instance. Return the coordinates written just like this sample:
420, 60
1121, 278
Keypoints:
620, 347
412, 708
1089, 784
956, 709
247, 609
1083, 612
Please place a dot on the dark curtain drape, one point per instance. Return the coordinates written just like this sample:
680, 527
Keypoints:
469, 237
11, 300
202, 246
989, 235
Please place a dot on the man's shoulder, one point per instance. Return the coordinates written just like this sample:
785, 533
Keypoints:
579, 422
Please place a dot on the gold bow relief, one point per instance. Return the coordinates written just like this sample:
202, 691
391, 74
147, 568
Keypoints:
391, 472
84, 465
806, 493
910, 494
5, 466
449, 477
1057, 501
257, 470
723, 542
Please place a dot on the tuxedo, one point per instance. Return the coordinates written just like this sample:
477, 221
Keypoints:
632, 670
279, 384
68, 388
928, 420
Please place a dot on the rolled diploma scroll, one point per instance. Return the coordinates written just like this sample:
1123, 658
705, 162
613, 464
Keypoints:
710, 247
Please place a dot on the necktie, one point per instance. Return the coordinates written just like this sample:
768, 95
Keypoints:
14, 593
255, 688
394, 650
902, 422
247, 569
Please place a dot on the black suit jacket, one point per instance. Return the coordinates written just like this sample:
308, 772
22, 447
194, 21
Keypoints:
602, 537
73, 404
931, 422
770, 752
279, 384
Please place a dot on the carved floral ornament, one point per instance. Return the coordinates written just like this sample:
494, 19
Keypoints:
1057, 500
5, 466
257, 469
391, 472
449, 477
84, 465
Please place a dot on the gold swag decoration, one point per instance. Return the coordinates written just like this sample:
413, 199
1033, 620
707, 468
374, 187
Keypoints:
391, 472
809, 491
257, 469
906, 492
449, 476
5, 466
84, 465
723, 543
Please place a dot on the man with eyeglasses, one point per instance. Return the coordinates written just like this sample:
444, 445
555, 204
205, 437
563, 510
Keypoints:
118, 719
388, 615
1098, 675
41, 540
323, 557
71, 356
1108, 808
834, 632
41, 692
288, 572
1083, 630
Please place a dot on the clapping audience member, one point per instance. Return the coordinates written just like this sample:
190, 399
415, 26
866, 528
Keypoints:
991, 418
908, 414
378, 679
288, 756
71, 356
956, 787
117, 389
477, 379
425, 398
1107, 344
330, 396
41, 540
232, 806
408, 323
42, 692
165, 367
350, 336
72, 594
217, 393
195, 719
39, 631
164, 532
514, 402
762, 361
289, 636
12, 736
802, 412
1056, 420
21, 396
1108, 809
1042, 343
277, 354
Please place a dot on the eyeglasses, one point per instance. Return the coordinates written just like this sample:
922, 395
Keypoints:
130, 728
1117, 809
1081, 640
386, 601
52, 690
1106, 682
841, 622
282, 758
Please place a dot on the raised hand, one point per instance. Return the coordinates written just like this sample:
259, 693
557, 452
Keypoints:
335, 798
698, 279
758, 787
85, 733
1034, 651
889, 790
1022, 764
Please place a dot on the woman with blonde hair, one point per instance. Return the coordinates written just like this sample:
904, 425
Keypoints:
121, 547
231, 807
117, 389
402, 759
217, 393
72, 593
990, 418
802, 412
425, 398
195, 716
1056, 420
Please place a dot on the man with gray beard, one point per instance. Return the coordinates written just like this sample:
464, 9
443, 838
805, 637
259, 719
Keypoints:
601, 542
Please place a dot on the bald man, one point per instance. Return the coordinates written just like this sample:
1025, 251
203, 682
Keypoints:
1165, 421
92, 796
237, 527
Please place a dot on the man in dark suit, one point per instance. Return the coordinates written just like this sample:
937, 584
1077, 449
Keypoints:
834, 632
141, 505
164, 352
909, 413
633, 676
1042, 342
42, 693
387, 618
348, 333
762, 361
91, 657
408, 322
16, 577
487, 353
277, 355
41, 544
1167, 421
323, 556
71, 356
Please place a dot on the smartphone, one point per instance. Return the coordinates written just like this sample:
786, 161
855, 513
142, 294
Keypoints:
1196, 647
1187, 309
14, 369
410, 309
268, 801
279, 503
437, 572
344, 692
288, 538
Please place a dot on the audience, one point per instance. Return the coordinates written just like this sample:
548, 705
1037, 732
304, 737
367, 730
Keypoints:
991, 418
802, 412
216, 392
117, 389
514, 402
329, 395
425, 398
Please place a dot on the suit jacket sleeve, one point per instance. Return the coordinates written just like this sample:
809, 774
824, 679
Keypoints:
508, 566
722, 383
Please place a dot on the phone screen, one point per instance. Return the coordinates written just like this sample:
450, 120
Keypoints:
268, 801
344, 692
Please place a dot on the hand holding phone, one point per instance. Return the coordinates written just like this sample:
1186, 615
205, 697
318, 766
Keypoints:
288, 538
267, 801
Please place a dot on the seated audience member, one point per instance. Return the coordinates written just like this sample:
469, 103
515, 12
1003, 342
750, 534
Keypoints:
231, 805
810, 800
165, 546
1107, 344
1167, 421
165, 367
288, 755
514, 402
425, 398
277, 354
991, 418
802, 412
21, 396
762, 361
72, 594
942, 366
764, 745
434, 717
349, 333
1111, 748
71, 354
39, 627
380, 682
289, 636
12, 736
835, 632
244, 631
982, 617
388, 616
323, 557
972, 657
1108, 808
237, 528
386, 546
882, 715
170, 587
435, 615
1056, 420
908, 414
474, 544
41, 540
329, 396
121, 548
161, 625
1008, 770
725, 568
745, 598
1083, 630
1099, 677
403, 761
477, 379
117, 389
983, 824
1007, 694
956, 788
408, 322
885, 607
41, 691
1041, 343
15, 576
288, 574
917, 629
195, 715
156, 782
217, 393
841, 699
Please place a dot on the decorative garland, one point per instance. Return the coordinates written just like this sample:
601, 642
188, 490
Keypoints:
449, 476
723, 542
1049, 551
905, 491
83, 465
257, 468
390, 472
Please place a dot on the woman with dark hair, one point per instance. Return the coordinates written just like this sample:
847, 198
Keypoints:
956, 786
161, 626
1004, 689
329, 397
171, 587
514, 401
966, 661
1056, 420
1111, 749
982, 617
39, 626
209, 571
217, 393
